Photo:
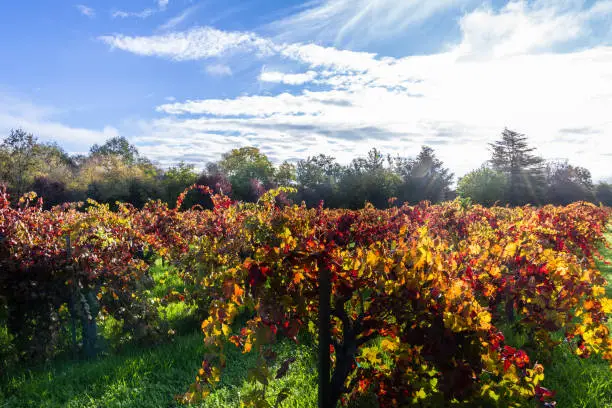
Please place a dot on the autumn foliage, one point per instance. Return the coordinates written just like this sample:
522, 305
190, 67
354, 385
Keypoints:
421, 295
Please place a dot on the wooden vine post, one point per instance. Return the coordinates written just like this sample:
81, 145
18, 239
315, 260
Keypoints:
72, 300
324, 338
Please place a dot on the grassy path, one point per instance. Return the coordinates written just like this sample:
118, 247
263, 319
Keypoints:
583, 383
151, 377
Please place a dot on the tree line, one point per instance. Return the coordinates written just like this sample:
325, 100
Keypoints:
116, 171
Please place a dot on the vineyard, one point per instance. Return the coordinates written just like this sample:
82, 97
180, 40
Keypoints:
424, 304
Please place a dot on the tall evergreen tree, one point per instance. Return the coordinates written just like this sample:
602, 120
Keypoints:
512, 156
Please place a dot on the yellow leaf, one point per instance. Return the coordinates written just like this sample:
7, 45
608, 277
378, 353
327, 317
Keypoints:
371, 258
370, 354
388, 345
455, 291
423, 231
485, 320
606, 305
495, 272
510, 249
475, 249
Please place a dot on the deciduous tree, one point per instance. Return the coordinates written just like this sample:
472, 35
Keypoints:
566, 183
484, 186
244, 165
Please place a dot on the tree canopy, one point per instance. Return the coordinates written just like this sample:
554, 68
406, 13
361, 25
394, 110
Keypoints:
484, 186
115, 171
246, 168
117, 146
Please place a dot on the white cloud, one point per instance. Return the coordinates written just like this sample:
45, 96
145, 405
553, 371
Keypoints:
521, 27
318, 56
39, 120
218, 70
199, 43
162, 4
505, 70
86, 11
288, 79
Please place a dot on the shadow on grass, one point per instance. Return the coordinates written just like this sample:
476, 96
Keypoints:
151, 377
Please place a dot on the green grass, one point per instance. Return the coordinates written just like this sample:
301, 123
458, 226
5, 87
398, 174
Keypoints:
141, 377
151, 377
582, 382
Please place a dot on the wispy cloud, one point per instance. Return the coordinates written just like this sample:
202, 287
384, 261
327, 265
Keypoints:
86, 11
218, 70
178, 19
143, 14
343, 22
146, 13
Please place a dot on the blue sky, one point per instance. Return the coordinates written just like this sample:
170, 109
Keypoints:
191, 79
